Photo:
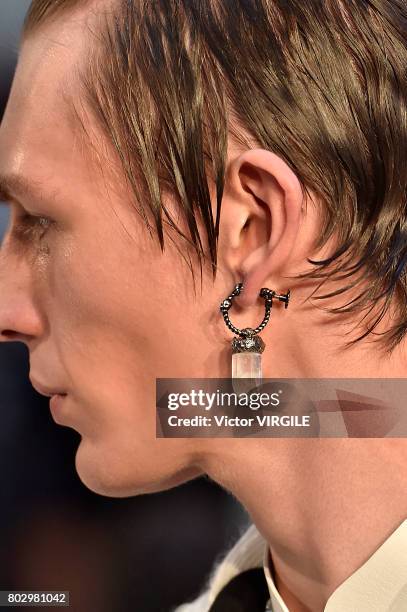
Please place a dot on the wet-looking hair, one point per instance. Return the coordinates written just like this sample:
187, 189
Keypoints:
322, 83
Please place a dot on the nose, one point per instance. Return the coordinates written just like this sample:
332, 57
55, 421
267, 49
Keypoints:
19, 317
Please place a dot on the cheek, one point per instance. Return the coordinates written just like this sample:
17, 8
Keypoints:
97, 327
120, 317
95, 288
135, 299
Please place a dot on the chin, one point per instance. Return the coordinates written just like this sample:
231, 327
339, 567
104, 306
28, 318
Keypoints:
114, 478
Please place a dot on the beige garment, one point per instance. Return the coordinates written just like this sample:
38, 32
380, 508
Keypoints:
379, 585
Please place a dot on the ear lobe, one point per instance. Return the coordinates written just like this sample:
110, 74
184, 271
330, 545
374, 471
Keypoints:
269, 179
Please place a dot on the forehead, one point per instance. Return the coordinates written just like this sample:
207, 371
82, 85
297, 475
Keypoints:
46, 72
40, 128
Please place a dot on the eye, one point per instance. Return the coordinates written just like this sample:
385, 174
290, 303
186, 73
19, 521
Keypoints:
28, 226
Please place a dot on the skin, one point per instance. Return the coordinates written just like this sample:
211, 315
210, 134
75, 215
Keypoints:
104, 313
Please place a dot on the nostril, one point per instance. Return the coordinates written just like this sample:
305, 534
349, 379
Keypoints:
8, 334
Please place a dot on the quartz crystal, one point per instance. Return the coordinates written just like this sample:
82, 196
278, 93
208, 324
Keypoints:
246, 371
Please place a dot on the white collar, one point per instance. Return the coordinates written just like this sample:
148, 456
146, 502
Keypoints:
379, 585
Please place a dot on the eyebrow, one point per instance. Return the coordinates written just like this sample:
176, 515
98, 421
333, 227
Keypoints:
14, 187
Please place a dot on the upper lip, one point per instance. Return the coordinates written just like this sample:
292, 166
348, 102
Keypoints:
44, 390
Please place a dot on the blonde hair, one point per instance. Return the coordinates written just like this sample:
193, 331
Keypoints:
321, 83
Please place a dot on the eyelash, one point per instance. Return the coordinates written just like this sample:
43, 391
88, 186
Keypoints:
27, 225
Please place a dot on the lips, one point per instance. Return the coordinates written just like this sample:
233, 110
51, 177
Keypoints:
45, 390
56, 403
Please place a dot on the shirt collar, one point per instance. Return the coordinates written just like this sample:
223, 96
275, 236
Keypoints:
379, 585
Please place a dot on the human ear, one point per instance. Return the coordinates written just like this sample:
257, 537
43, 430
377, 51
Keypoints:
261, 210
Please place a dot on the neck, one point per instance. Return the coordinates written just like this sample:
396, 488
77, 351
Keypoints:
321, 504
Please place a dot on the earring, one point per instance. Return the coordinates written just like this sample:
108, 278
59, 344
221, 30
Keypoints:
247, 346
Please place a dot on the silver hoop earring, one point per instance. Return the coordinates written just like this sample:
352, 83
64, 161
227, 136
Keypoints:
247, 346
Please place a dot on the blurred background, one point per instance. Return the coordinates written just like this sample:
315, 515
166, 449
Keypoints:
143, 554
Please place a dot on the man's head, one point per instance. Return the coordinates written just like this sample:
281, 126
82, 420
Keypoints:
156, 139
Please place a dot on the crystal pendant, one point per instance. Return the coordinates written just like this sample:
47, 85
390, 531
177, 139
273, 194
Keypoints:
246, 361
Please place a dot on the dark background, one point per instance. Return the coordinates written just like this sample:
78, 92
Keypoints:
141, 554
